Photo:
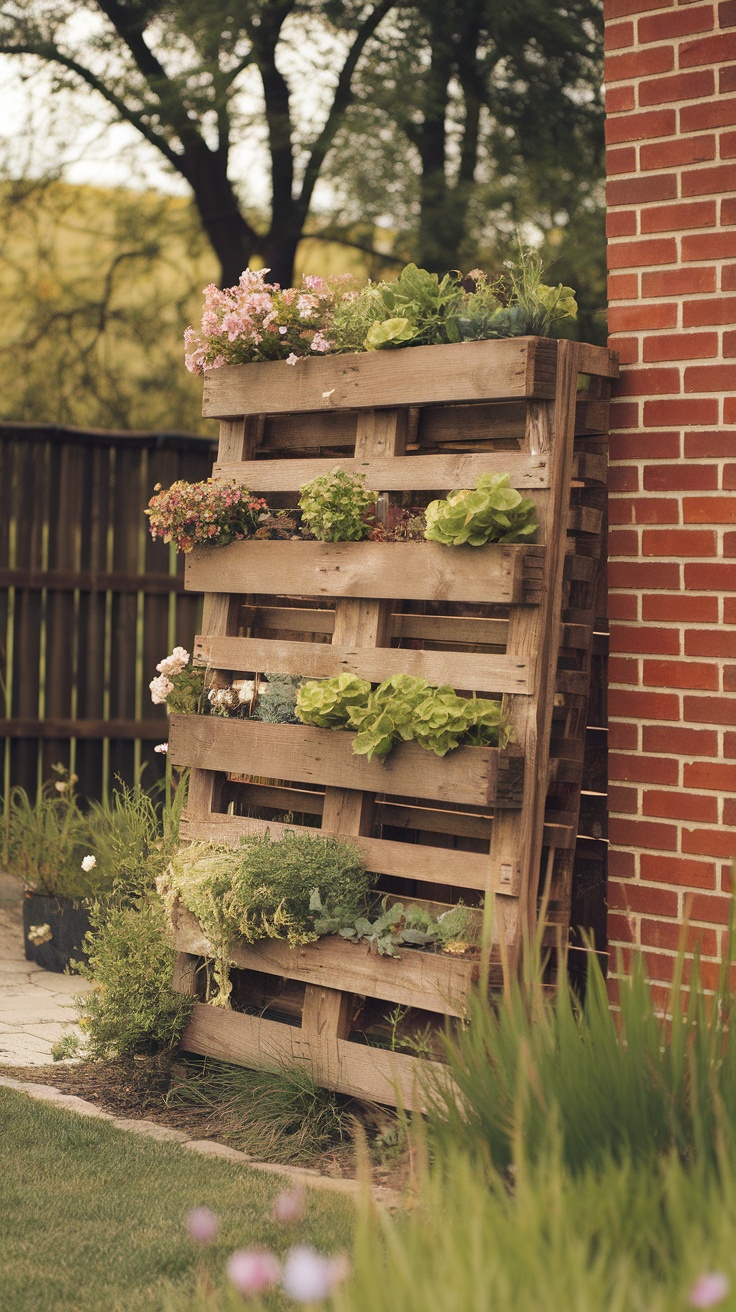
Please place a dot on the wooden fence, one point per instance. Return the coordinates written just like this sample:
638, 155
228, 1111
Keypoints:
88, 603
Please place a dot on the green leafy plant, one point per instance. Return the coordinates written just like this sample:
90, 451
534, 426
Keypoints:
133, 837
420, 309
277, 702
49, 841
398, 926
494, 512
327, 703
335, 506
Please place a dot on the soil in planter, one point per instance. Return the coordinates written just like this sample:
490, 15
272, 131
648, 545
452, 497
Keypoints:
68, 923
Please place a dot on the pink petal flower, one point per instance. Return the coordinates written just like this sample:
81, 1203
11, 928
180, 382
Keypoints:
709, 1290
252, 1271
308, 1277
289, 1205
202, 1225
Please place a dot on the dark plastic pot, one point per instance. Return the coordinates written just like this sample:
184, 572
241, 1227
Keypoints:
68, 922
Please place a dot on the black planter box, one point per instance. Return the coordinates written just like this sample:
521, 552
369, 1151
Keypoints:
68, 921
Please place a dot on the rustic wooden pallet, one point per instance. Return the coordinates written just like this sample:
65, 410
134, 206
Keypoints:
497, 620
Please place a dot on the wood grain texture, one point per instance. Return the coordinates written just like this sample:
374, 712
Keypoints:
416, 473
469, 371
351, 1068
417, 571
597, 360
432, 981
471, 672
468, 775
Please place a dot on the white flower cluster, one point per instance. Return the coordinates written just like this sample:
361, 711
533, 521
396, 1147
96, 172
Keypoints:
89, 863
161, 687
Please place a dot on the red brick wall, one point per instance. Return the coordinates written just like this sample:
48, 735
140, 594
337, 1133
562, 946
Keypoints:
671, 162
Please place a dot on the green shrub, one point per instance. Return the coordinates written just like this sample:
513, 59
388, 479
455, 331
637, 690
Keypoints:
48, 839
133, 1008
335, 506
133, 837
494, 512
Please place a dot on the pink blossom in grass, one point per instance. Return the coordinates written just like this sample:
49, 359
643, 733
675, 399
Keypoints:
202, 1225
709, 1290
253, 1271
289, 1205
309, 1277
320, 342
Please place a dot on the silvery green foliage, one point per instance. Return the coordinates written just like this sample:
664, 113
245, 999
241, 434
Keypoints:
335, 506
493, 512
277, 703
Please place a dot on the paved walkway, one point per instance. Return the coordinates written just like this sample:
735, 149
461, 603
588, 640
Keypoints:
36, 1006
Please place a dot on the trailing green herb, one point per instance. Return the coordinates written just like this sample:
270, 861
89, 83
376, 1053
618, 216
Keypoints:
494, 512
401, 709
398, 926
335, 506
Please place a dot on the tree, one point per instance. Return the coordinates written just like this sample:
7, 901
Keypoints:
476, 89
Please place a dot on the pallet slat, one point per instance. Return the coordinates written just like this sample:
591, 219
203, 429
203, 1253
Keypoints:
415, 473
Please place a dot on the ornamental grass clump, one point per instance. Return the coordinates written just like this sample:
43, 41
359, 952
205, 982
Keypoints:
336, 506
203, 514
494, 512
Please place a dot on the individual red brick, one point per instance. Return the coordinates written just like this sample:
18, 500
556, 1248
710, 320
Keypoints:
707, 50
623, 223
683, 86
717, 577
728, 145
709, 378
643, 833
623, 737
709, 310
729, 477
710, 642
620, 511
678, 282
673, 154
649, 382
708, 114
623, 542
676, 218
673, 936
681, 674
709, 510
621, 928
729, 678
714, 910
685, 412
625, 286
680, 346
709, 710
682, 22
656, 510
622, 160
624, 414
618, 35
708, 182
639, 64
673, 870
678, 608
637, 191
729, 610
679, 741
628, 350
675, 478
710, 842
678, 542
623, 801
642, 127
644, 705
644, 899
645, 446
729, 545
727, 13
621, 606
646, 639
728, 278
727, 80
644, 575
728, 212
707, 246
652, 250
729, 345
635, 768
715, 445
621, 671
714, 775
729, 411
627, 318
619, 100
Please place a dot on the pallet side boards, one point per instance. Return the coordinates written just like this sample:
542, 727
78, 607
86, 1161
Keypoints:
512, 621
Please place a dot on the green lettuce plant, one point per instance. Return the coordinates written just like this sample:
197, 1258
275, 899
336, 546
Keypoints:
398, 926
420, 309
335, 506
326, 703
494, 512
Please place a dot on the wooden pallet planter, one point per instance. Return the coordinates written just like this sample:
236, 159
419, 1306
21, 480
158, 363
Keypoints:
515, 621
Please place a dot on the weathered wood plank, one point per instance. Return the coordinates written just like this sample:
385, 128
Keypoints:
469, 671
475, 631
469, 774
415, 473
433, 981
416, 571
469, 371
597, 360
351, 1068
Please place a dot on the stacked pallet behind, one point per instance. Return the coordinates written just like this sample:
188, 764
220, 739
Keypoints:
506, 620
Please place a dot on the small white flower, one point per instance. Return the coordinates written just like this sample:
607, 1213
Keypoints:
89, 862
38, 934
283, 331
309, 1277
175, 663
160, 689
60, 786
292, 359
162, 748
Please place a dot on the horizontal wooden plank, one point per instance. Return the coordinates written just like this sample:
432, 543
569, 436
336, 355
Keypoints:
55, 580
476, 631
412, 473
433, 981
467, 671
434, 865
351, 1068
148, 730
308, 755
422, 375
597, 360
416, 571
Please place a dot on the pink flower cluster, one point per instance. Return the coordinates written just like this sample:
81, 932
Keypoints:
193, 514
258, 320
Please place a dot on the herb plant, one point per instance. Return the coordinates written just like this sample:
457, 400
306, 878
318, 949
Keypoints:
397, 926
335, 506
494, 512
277, 701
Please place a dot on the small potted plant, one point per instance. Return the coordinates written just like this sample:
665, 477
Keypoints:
49, 850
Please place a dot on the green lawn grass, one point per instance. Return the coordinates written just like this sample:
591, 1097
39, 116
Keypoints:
92, 1217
